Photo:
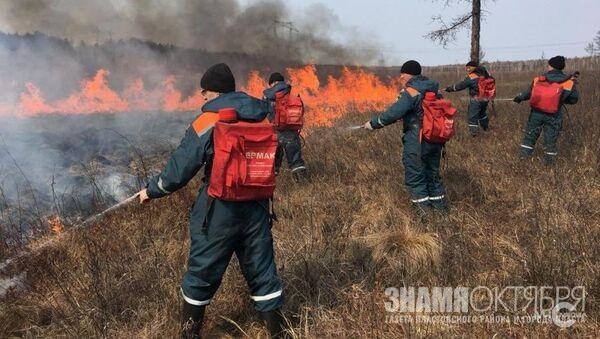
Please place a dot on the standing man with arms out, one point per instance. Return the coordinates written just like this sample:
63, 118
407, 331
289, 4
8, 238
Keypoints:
219, 228
547, 94
290, 144
477, 115
421, 158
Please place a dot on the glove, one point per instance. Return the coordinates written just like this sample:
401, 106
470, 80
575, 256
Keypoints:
143, 195
517, 99
449, 89
575, 77
368, 126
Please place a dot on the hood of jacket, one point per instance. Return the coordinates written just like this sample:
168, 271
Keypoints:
247, 107
281, 86
423, 84
556, 76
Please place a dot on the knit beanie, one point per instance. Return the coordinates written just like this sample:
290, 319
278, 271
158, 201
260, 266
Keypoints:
218, 78
558, 62
411, 67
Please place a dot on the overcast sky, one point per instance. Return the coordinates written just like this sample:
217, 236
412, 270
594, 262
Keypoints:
511, 30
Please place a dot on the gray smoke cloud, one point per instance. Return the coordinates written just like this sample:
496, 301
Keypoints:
259, 28
67, 151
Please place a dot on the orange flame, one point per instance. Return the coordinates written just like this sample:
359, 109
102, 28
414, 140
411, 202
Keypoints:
137, 96
95, 96
55, 224
255, 85
354, 90
32, 102
305, 80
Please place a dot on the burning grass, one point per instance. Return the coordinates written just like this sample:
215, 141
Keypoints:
346, 236
94, 160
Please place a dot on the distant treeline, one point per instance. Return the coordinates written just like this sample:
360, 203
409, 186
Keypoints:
573, 64
57, 65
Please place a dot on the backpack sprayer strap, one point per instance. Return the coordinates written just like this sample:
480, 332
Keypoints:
270, 209
419, 130
272, 215
210, 202
444, 159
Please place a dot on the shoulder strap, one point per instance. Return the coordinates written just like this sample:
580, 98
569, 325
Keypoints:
539, 78
412, 92
205, 122
281, 94
568, 84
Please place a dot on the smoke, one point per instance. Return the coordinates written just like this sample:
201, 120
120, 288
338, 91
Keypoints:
319, 21
77, 165
51, 45
261, 28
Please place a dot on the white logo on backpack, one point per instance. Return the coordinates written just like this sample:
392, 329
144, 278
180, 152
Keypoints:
260, 155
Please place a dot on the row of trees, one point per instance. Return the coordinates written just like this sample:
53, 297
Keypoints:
593, 48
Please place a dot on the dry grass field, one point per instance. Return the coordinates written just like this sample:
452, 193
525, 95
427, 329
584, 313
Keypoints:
347, 235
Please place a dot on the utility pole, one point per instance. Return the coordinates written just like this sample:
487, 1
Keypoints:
289, 25
286, 24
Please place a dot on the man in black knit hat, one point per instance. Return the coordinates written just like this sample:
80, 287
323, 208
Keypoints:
477, 115
547, 94
421, 158
220, 228
290, 143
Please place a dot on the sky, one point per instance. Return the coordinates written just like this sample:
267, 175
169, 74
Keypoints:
511, 29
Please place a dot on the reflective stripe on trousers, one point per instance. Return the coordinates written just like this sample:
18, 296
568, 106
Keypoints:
267, 297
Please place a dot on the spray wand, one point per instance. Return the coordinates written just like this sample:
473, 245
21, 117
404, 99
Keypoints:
113, 208
86, 222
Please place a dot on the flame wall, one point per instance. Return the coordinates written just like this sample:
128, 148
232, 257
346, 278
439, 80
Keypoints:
356, 90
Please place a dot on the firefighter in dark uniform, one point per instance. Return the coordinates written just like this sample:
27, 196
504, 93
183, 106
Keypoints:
550, 124
223, 228
421, 159
477, 115
290, 143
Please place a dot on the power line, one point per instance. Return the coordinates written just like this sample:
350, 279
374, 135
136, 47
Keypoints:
492, 48
541, 45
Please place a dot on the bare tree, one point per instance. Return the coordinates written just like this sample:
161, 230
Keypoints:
447, 31
594, 47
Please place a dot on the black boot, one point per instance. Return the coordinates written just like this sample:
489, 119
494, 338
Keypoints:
485, 124
421, 211
441, 206
275, 323
549, 159
473, 130
191, 321
300, 175
525, 154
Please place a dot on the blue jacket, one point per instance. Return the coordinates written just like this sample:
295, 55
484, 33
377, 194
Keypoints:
196, 148
280, 86
408, 107
471, 82
569, 96
270, 93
